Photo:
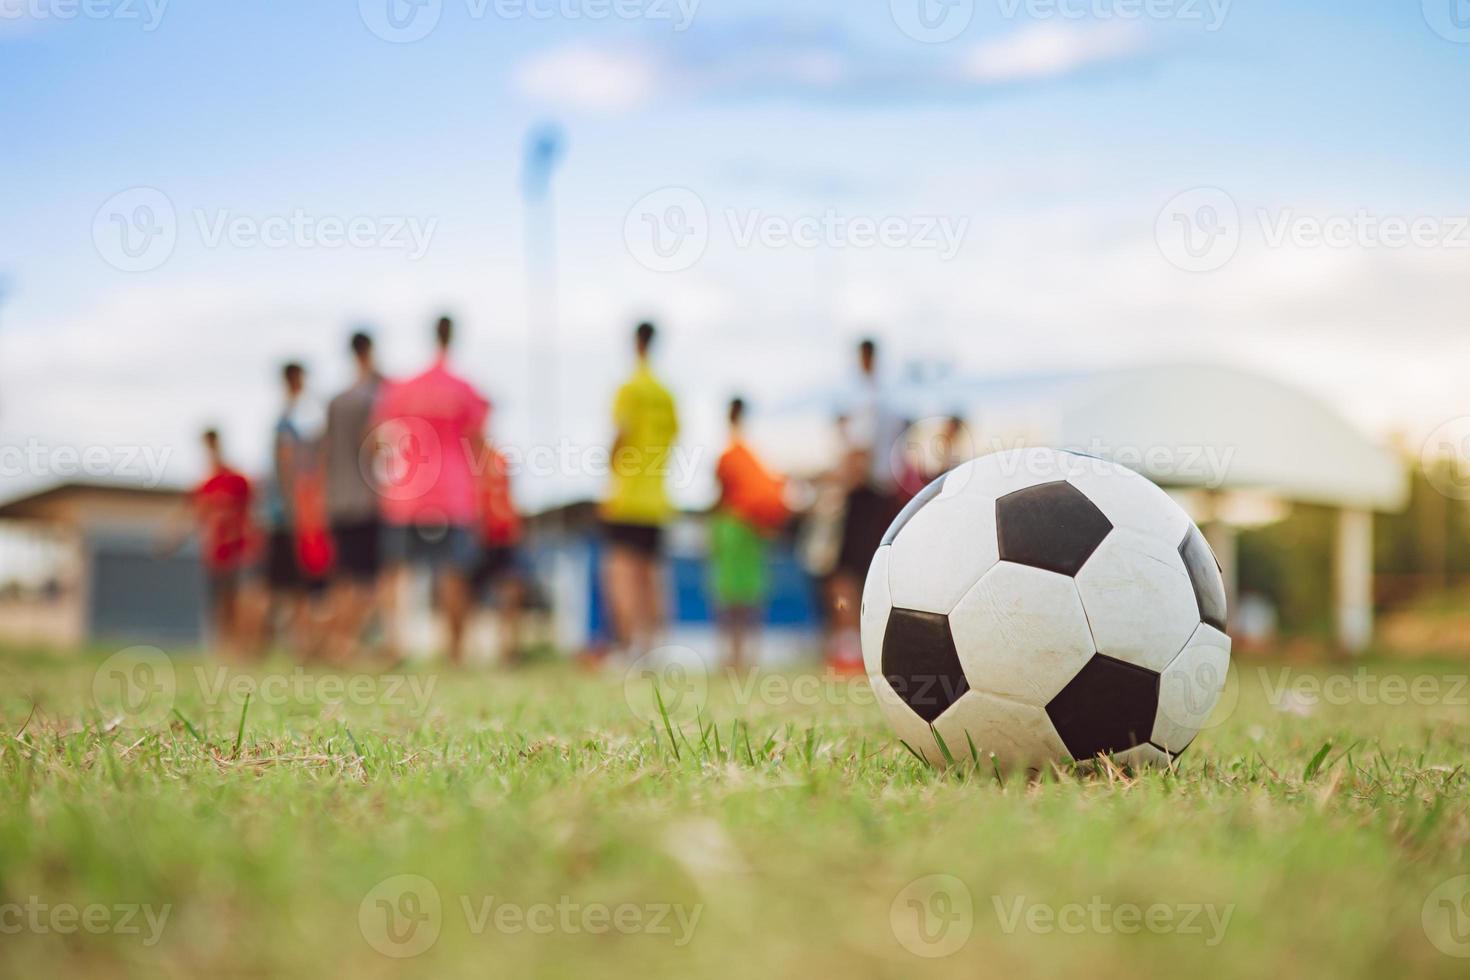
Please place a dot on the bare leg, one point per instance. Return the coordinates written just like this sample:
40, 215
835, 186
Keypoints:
845, 650
222, 623
620, 578
454, 595
252, 609
512, 595
350, 606
650, 600
391, 586
735, 622
298, 628
845, 599
742, 632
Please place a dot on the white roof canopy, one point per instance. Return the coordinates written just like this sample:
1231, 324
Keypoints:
1180, 425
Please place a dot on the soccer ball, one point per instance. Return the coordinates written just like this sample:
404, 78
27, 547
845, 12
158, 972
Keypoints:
1036, 606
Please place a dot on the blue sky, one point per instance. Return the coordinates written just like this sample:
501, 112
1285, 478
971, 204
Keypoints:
1052, 135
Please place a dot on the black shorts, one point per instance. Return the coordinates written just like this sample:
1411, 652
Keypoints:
359, 546
283, 571
645, 539
869, 513
497, 563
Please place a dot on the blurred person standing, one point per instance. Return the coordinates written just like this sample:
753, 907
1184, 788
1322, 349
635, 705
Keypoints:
430, 428
219, 510
637, 505
954, 444
750, 510
932, 449
872, 431
501, 567
289, 583
352, 503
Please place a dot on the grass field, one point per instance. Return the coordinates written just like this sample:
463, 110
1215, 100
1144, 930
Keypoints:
542, 822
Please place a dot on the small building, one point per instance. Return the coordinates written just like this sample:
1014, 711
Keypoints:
82, 567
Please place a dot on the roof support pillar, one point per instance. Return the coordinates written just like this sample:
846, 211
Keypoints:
1353, 579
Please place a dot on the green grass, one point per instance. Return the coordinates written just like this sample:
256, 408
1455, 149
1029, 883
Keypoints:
791, 824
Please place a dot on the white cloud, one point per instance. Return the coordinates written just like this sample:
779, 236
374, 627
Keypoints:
581, 76
821, 66
1052, 50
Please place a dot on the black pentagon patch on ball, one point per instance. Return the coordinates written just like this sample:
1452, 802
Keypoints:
1204, 576
920, 662
912, 507
1052, 526
1109, 706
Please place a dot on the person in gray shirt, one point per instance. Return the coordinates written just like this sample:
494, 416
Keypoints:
353, 502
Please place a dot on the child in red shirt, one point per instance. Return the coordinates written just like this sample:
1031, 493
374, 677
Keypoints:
220, 511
